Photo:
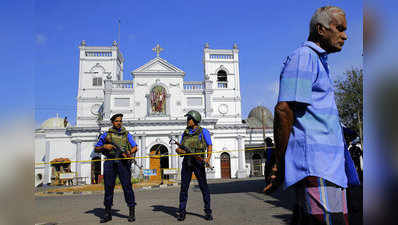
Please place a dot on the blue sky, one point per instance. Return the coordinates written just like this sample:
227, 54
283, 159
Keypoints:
265, 31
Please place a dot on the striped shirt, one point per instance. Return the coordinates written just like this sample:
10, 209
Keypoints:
316, 146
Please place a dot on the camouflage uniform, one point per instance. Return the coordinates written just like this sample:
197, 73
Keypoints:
121, 168
189, 165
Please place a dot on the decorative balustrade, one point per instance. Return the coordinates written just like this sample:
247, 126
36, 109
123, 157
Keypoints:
98, 54
221, 56
124, 84
193, 85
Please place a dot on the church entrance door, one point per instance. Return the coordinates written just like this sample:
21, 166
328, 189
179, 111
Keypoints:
158, 161
225, 166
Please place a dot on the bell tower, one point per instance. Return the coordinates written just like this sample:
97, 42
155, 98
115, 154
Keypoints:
221, 70
96, 63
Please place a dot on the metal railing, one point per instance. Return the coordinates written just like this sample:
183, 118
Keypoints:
193, 85
124, 84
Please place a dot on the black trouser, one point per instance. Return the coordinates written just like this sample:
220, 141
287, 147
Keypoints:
113, 168
186, 175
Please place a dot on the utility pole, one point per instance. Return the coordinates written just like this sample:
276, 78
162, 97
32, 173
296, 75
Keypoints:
263, 125
118, 32
265, 146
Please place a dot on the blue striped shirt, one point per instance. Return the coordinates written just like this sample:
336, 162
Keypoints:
316, 146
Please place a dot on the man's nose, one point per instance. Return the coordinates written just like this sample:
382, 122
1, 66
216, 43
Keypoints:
344, 36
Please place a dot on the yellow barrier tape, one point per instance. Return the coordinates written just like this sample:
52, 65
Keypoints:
159, 156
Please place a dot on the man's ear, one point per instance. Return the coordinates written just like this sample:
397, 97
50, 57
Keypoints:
320, 29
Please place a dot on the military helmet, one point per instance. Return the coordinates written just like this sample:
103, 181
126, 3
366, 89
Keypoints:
195, 115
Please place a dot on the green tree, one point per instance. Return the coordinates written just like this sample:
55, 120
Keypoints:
349, 100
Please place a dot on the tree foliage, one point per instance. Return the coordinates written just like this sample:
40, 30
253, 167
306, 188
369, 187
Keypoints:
349, 100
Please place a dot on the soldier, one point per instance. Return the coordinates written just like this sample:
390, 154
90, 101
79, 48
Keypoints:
117, 143
270, 161
197, 139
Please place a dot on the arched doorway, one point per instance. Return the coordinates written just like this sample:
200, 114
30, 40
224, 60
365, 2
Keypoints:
158, 160
225, 166
257, 165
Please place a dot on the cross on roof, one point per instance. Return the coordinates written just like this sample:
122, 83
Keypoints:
157, 49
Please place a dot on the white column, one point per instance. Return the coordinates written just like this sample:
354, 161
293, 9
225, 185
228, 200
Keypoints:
176, 158
173, 159
102, 164
241, 158
47, 168
208, 92
78, 156
107, 98
138, 154
179, 160
148, 105
143, 151
212, 173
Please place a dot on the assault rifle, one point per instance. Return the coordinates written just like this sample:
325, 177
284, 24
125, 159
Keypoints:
198, 158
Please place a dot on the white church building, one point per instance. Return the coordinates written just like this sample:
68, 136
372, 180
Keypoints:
154, 102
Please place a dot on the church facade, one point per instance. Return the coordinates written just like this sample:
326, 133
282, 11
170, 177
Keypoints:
153, 103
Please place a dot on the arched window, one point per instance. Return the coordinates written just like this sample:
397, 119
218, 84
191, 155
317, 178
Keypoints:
222, 79
97, 72
222, 76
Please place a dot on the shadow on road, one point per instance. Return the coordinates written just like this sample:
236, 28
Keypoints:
279, 198
172, 211
253, 188
99, 212
237, 186
284, 198
286, 218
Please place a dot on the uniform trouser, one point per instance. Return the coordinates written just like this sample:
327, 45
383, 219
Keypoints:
119, 168
186, 175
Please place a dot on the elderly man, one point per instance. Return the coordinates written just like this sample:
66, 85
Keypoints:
309, 142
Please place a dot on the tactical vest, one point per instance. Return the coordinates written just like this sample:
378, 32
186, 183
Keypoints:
119, 138
193, 142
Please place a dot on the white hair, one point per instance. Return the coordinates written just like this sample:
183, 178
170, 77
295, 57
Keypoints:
324, 16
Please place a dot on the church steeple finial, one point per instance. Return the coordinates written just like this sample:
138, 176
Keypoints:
157, 49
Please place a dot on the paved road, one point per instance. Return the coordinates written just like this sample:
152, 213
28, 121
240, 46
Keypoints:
234, 202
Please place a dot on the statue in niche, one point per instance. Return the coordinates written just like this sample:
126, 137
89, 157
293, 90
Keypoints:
158, 100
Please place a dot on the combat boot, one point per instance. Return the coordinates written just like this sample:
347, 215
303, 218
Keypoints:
131, 217
107, 216
181, 216
208, 216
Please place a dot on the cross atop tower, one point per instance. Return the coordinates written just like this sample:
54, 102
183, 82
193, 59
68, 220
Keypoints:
157, 49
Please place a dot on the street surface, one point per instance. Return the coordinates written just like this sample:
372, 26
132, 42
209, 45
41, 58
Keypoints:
234, 202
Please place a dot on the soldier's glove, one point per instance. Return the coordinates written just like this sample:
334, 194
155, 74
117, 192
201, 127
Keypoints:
180, 151
108, 147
